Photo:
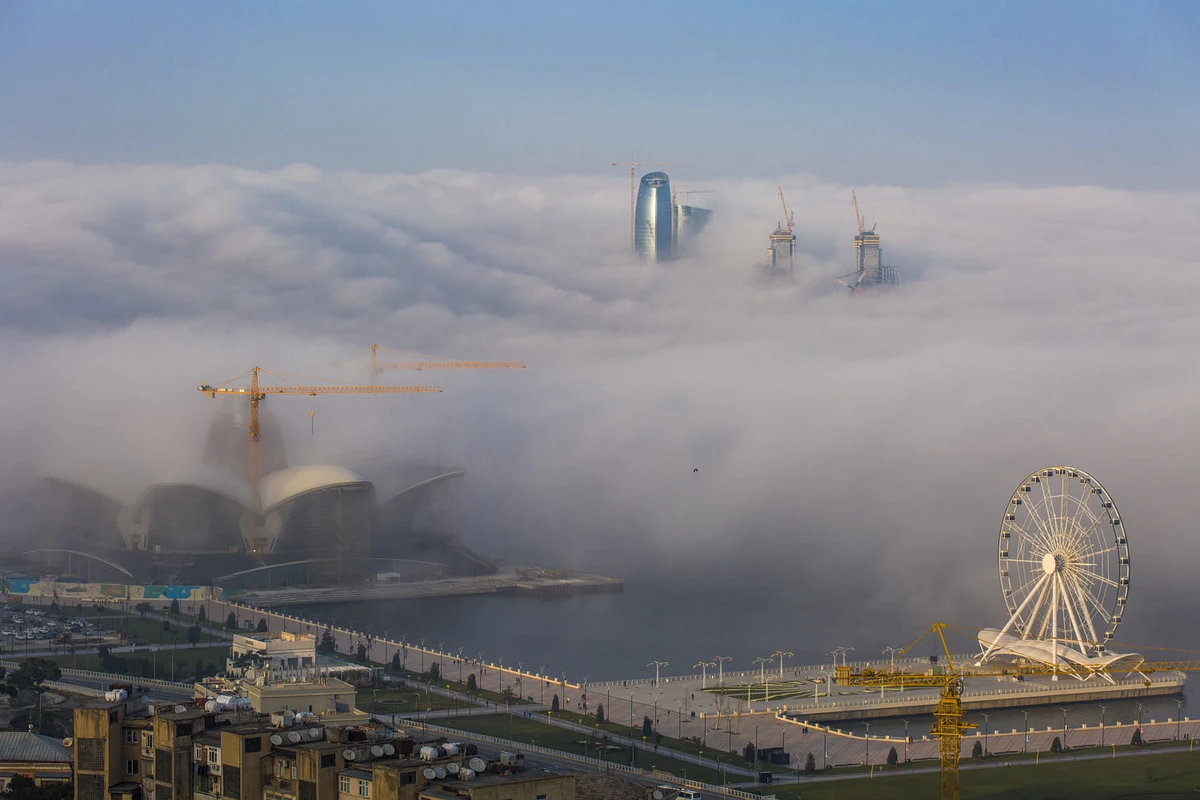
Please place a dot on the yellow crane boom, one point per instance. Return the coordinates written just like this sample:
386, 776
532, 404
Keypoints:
257, 391
788, 214
430, 362
948, 724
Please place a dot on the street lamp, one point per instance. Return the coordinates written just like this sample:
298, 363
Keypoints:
721, 667
1064, 741
867, 739
1178, 714
762, 668
986, 717
905, 741
1026, 715
704, 665
1102, 710
657, 666
782, 654
893, 651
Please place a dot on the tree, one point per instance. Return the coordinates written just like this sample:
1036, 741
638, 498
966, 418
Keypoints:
893, 758
810, 764
22, 788
647, 728
1055, 746
262, 626
54, 605
472, 685
231, 621
361, 653
175, 605
976, 751
202, 615
600, 713
1136, 741
327, 645
193, 634
749, 752
199, 669
554, 704
166, 626
435, 671
396, 661
143, 608
32, 672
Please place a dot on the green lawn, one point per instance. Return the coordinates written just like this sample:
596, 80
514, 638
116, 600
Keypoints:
402, 701
151, 631
149, 665
1174, 775
536, 731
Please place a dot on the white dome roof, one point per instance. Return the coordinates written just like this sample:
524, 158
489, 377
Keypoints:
285, 484
207, 479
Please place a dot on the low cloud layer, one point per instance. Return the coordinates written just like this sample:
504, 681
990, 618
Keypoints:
855, 454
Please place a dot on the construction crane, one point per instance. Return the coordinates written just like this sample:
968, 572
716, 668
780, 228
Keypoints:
433, 362
675, 193
788, 214
633, 165
256, 392
949, 725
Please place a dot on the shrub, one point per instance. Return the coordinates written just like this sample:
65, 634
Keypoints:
1056, 745
810, 764
893, 758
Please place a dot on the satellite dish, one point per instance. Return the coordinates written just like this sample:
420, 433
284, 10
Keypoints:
441, 773
658, 795
67, 742
180, 709
389, 749
429, 773
348, 755
452, 768
478, 764
276, 739
376, 750
294, 737
314, 732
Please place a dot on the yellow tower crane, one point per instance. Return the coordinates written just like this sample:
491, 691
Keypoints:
423, 362
257, 391
948, 723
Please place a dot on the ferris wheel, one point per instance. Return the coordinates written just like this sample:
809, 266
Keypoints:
1063, 560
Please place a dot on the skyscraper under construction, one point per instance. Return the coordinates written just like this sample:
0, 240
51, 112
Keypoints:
869, 269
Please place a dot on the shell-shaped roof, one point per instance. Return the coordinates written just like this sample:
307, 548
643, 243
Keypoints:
285, 484
207, 479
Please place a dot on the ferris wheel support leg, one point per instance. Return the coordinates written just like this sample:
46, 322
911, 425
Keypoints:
1013, 619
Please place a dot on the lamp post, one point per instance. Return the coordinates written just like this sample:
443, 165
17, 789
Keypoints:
386, 632
762, 668
905, 741
867, 739
721, 667
1064, 741
845, 652
704, 665
657, 666
1102, 710
986, 717
781, 655
893, 651
1026, 715
1178, 714
422, 655
541, 674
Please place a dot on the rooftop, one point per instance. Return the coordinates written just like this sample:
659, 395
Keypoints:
29, 746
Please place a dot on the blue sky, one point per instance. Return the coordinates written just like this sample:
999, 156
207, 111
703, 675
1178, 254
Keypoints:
916, 93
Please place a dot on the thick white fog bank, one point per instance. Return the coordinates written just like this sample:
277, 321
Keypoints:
864, 446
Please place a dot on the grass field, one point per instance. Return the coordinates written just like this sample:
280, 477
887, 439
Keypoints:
1162, 776
402, 701
536, 731
149, 665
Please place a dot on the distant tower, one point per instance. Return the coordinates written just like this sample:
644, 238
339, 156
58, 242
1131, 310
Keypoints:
689, 221
654, 219
781, 256
868, 255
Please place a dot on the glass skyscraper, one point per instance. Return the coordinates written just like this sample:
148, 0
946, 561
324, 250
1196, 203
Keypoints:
653, 236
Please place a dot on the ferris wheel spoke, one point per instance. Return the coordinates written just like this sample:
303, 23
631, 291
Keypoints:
1044, 536
1048, 504
1069, 604
1083, 597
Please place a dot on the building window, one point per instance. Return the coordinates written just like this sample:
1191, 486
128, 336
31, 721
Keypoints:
214, 755
131, 766
131, 737
344, 784
254, 745
148, 742
364, 788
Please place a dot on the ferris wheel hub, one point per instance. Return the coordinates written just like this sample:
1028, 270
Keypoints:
1053, 562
